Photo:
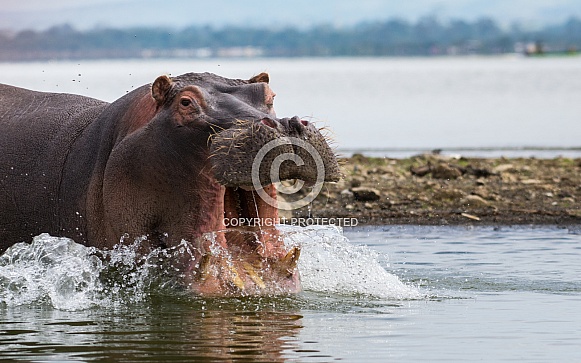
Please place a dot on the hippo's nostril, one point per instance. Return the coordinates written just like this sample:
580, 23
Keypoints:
294, 126
268, 122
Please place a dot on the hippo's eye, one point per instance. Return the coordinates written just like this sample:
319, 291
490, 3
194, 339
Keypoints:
185, 102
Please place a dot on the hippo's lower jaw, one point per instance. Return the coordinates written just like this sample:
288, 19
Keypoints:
247, 256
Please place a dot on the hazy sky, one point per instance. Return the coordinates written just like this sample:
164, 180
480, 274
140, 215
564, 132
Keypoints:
86, 14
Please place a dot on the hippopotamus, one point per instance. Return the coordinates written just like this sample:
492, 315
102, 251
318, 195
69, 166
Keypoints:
168, 162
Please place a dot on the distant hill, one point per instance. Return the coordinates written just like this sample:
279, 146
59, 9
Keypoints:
425, 37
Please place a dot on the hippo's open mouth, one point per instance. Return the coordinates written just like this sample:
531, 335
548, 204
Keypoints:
247, 256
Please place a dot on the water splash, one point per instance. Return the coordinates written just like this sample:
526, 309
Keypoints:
54, 270
329, 263
69, 276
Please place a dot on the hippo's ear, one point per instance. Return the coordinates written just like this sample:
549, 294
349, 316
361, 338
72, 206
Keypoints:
160, 89
262, 77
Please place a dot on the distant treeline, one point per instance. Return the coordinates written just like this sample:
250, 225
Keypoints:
395, 37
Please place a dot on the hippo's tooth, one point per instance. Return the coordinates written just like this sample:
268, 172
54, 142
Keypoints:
204, 266
289, 262
292, 257
253, 275
236, 280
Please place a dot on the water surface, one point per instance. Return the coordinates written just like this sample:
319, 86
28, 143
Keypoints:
378, 103
373, 294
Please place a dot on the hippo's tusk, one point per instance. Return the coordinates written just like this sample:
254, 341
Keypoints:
292, 257
236, 280
253, 275
203, 267
289, 262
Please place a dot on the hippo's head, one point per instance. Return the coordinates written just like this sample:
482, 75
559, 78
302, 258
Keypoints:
217, 186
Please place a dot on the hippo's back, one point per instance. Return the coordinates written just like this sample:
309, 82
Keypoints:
37, 131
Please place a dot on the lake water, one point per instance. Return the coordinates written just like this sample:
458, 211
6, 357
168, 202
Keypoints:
373, 294
386, 106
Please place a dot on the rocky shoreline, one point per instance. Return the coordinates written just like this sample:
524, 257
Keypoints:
438, 190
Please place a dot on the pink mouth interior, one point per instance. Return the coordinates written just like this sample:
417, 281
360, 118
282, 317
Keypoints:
255, 259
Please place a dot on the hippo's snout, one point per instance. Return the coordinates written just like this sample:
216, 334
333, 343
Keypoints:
237, 153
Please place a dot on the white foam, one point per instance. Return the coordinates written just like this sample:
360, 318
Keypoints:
329, 263
56, 270
70, 276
